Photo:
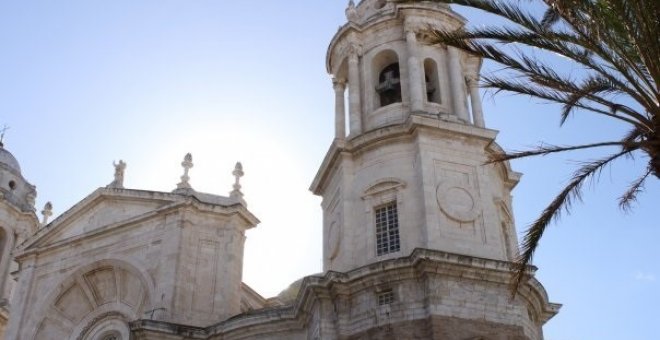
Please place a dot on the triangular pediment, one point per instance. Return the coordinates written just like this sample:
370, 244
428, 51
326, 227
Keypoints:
102, 210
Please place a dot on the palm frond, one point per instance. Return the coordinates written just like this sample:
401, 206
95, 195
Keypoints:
598, 33
615, 43
521, 87
540, 73
543, 150
550, 17
591, 89
588, 37
561, 203
625, 201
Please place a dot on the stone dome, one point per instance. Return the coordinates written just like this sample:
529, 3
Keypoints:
288, 295
8, 160
14, 189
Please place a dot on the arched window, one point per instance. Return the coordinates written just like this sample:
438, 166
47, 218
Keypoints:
432, 82
389, 85
383, 198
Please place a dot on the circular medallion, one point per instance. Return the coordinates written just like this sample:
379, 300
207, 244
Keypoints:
458, 203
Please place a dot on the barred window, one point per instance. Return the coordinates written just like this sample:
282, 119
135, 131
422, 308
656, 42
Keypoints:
385, 297
387, 229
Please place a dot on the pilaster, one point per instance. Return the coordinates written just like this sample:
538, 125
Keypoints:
354, 92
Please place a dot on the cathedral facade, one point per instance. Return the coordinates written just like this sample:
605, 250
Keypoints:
418, 234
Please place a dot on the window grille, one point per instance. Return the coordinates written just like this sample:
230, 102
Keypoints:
387, 229
385, 297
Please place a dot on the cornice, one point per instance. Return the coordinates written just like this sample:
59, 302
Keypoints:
405, 130
323, 287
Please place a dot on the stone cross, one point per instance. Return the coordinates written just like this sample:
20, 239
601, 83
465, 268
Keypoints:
238, 173
186, 164
46, 213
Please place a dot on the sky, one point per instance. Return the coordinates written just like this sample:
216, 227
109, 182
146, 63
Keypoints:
86, 83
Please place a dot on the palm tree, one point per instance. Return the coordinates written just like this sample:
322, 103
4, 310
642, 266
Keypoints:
615, 42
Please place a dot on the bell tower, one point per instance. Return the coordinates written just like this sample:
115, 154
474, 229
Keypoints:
17, 221
409, 171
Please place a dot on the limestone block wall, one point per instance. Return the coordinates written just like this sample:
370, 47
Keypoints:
427, 295
434, 171
210, 262
369, 180
170, 263
464, 198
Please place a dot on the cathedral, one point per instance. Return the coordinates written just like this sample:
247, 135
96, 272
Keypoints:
418, 234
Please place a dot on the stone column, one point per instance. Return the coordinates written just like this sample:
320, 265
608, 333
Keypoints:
457, 84
414, 73
354, 94
340, 111
475, 101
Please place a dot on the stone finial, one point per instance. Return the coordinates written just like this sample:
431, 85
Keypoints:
184, 185
351, 12
118, 182
46, 213
238, 173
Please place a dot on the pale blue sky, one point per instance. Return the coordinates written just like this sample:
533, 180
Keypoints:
83, 83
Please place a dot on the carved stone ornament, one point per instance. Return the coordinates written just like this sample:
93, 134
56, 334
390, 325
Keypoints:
187, 164
351, 12
458, 203
354, 48
238, 173
46, 213
118, 182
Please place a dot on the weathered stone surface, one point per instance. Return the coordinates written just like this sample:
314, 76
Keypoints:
436, 295
161, 256
418, 234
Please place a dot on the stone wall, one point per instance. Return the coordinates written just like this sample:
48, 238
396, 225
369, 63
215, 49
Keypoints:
122, 255
434, 295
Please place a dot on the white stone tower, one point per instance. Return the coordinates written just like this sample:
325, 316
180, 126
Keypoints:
410, 172
406, 186
17, 221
